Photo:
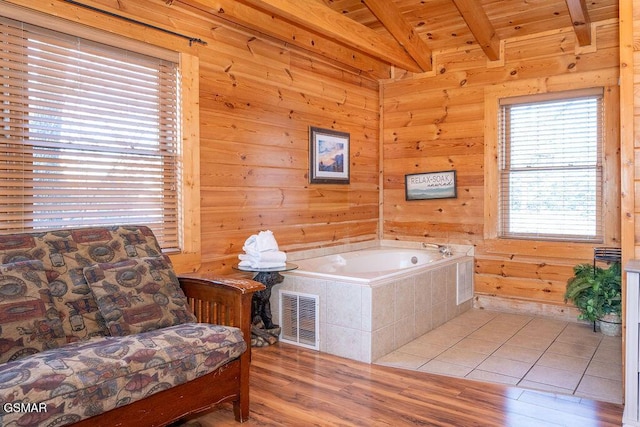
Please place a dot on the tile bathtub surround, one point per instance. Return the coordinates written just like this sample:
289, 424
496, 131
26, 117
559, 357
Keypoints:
527, 351
365, 321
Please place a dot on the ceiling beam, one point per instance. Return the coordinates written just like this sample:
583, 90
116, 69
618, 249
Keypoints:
480, 26
580, 20
258, 21
321, 19
389, 15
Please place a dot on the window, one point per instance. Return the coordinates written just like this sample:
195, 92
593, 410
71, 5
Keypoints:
90, 134
550, 167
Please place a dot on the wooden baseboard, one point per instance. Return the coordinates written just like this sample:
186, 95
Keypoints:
563, 312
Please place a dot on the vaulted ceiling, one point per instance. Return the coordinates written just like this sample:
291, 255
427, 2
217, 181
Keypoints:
374, 35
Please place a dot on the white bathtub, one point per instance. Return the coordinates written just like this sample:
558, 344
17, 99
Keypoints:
373, 300
371, 265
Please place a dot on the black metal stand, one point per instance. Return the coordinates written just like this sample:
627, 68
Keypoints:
263, 330
261, 302
607, 255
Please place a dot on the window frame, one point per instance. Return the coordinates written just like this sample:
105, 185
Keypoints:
611, 165
72, 22
506, 171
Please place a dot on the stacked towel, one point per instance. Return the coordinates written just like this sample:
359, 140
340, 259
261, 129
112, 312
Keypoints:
261, 251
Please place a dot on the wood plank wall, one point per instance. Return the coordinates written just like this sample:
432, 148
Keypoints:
437, 122
257, 101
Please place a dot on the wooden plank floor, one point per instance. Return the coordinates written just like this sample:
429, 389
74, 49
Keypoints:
292, 386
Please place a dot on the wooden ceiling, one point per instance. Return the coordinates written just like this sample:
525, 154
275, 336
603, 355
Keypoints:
374, 35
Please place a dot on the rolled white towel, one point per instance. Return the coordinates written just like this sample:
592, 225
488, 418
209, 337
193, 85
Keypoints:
252, 252
261, 251
250, 244
270, 256
263, 241
260, 264
266, 241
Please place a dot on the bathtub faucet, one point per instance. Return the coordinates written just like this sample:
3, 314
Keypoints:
443, 249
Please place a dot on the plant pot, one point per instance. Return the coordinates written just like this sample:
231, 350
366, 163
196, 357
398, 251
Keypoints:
611, 325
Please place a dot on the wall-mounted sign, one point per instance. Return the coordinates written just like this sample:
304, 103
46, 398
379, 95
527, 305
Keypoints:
430, 185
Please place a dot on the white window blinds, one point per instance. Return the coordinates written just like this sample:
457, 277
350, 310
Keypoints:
89, 134
551, 167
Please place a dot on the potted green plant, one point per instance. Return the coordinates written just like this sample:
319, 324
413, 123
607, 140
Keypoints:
597, 293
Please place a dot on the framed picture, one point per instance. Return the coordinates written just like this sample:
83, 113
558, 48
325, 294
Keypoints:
430, 185
328, 156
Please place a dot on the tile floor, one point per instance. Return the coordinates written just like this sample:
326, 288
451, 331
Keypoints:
527, 351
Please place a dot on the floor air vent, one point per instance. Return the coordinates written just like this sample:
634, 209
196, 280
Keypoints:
299, 319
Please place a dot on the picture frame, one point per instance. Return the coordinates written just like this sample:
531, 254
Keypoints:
431, 185
328, 156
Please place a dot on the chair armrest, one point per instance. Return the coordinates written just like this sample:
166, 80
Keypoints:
221, 301
226, 284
